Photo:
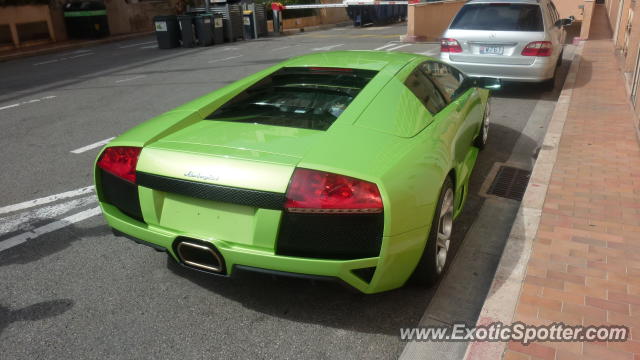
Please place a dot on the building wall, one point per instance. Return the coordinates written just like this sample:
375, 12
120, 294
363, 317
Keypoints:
427, 21
135, 16
627, 41
634, 42
568, 8
332, 15
27, 25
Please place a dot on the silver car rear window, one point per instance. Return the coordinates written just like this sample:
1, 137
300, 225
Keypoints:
499, 17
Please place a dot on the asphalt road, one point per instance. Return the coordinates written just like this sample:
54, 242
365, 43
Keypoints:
70, 289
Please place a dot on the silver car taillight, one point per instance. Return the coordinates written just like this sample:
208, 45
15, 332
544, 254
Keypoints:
449, 45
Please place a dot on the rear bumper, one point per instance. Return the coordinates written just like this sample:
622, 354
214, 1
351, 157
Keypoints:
393, 267
542, 69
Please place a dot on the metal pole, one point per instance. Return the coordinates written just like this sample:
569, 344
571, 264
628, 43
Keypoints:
276, 21
206, 5
255, 22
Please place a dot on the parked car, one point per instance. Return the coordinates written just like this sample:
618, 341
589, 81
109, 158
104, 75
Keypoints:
514, 40
342, 165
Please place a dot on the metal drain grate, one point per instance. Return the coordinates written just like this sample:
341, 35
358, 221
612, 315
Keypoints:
510, 183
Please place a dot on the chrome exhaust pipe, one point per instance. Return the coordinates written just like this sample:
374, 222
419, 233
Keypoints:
199, 256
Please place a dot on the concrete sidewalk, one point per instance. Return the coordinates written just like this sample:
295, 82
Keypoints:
573, 255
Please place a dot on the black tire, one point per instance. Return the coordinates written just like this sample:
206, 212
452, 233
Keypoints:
481, 140
426, 272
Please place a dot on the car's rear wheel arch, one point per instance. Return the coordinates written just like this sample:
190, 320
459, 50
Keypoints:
427, 271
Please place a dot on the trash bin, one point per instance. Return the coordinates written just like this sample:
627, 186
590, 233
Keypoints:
204, 29
248, 24
187, 34
218, 28
167, 31
86, 19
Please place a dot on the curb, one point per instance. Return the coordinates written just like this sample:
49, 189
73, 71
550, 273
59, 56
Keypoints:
61, 47
502, 299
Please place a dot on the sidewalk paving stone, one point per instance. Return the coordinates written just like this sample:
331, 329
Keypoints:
583, 265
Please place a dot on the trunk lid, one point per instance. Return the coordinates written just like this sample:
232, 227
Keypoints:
215, 177
248, 156
493, 47
496, 33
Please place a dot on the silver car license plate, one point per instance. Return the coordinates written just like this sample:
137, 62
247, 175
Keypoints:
492, 50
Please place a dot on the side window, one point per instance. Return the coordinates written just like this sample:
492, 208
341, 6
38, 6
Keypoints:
425, 91
446, 78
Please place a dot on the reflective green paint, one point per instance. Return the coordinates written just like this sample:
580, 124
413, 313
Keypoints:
385, 136
196, 163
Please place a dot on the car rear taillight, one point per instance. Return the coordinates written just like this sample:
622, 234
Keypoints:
312, 191
120, 161
450, 45
537, 48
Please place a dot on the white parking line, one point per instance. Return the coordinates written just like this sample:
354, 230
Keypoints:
327, 48
46, 200
149, 47
138, 44
77, 56
92, 146
284, 47
398, 47
63, 58
385, 46
129, 79
224, 59
72, 53
46, 62
430, 52
27, 102
373, 28
9, 106
27, 220
56, 225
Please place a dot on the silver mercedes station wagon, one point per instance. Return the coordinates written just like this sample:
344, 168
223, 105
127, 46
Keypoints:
513, 40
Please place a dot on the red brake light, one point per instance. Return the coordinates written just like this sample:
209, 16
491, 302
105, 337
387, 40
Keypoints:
537, 48
120, 161
450, 45
312, 191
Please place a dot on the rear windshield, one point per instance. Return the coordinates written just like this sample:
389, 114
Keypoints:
499, 17
305, 97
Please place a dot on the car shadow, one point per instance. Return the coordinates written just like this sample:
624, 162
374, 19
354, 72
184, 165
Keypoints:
49, 244
318, 302
519, 90
585, 73
333, 305
38, 311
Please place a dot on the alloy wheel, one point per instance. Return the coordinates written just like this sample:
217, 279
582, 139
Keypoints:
445, 224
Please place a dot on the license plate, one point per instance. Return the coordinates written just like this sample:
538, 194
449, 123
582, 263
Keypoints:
492, 50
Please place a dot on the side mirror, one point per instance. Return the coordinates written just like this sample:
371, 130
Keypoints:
488, 83
564, 22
